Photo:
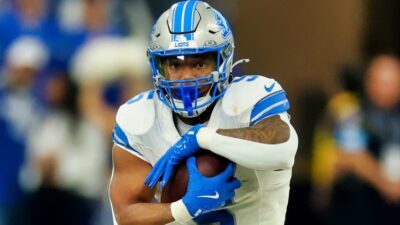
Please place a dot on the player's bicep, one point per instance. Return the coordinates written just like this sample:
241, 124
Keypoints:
273, 130
127, 182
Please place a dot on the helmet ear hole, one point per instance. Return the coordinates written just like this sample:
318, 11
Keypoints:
227, 51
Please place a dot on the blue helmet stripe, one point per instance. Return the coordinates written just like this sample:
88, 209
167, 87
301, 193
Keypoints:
173, 23
177, 18
183, 18
193, 21
188, 18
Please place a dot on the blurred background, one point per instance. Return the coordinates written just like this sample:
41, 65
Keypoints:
66, 66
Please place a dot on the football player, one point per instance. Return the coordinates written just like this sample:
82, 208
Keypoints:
197, 104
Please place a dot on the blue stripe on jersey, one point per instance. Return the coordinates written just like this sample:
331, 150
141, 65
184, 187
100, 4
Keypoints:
151, 94
267, 101
280, 108
272, 104
120, 138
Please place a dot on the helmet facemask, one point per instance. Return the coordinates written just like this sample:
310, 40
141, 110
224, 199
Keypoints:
191, 96
190, 29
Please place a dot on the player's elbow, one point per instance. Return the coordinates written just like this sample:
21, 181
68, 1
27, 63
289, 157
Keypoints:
284, 155
288, 156
283, 162
286, 163
128, 216
289, 150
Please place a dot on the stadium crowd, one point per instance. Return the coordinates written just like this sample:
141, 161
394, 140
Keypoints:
356, 161
65, 68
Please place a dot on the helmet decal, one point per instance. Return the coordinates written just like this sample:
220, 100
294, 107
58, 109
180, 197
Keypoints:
223, 24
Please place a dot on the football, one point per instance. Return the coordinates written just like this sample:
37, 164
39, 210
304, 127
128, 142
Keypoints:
209, 165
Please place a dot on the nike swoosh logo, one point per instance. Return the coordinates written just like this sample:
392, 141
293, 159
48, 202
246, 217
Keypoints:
216, 196
269, 89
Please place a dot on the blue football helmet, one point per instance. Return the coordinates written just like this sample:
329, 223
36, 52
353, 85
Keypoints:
191, 28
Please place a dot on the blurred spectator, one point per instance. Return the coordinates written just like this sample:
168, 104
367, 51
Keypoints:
137, 17
27, 17
64, 25
68, 158
19, 114
109, 71
83, 21
342, 107
382, 124
158, 7
360, 152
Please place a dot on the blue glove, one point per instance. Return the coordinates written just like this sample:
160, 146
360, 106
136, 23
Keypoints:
205, 194
184, 148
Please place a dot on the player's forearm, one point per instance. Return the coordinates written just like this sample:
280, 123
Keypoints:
145, 214
256, 149
273, 131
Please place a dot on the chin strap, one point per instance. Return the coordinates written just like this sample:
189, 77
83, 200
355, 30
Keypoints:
240, 61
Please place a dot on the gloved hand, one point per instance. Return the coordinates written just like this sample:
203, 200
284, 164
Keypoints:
184, 148
205, 194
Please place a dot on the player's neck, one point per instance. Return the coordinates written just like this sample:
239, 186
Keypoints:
202, 118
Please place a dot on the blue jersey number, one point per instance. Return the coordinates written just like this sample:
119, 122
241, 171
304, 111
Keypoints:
150, 95
223, 217
248, 78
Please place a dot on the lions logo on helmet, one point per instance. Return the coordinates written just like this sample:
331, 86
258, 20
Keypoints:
223, 24
190, 28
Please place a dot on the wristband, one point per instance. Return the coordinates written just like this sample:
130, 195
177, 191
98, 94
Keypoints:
204, 137
180, 212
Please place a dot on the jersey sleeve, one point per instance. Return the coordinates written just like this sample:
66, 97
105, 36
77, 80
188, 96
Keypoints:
251, 99
133, 120
121, 139
272, 104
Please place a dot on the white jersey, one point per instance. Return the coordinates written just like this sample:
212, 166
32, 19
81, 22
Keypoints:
145, 128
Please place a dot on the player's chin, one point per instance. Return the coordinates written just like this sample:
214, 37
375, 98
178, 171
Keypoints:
208, 164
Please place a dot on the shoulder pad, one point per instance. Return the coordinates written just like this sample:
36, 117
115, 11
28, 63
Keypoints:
137, 115
245, 91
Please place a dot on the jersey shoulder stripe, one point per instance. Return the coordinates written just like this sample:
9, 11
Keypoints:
270, 105
134, 118
256, 95
120, 138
